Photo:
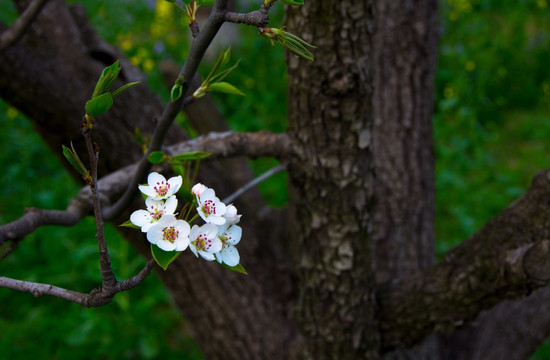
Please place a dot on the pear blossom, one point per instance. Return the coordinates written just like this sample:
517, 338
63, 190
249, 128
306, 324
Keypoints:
156, 209
229, 235
210, 208
204, 241
169, 234
230, 215
158, 188
198, 189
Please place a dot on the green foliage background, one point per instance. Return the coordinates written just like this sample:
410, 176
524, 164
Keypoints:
491, 122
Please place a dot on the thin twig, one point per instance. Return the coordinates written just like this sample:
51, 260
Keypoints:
16, 31
269, 173
107, 276
96, 298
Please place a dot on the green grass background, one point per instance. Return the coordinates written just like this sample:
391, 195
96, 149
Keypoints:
491, 128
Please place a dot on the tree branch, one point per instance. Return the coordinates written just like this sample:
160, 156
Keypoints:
266, 175
258, 18
16, 31
225, 144
229, 143
97, 297
34, 218
508, 258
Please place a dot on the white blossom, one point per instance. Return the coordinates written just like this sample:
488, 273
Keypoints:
210, 208
229, 235
158, 188
169, 234
156, 209
231, 216
204, 241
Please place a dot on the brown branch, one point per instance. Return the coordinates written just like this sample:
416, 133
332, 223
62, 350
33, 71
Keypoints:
34, 218
229, 143
225, 144
507, 259
258, 18
96, 298
107, 276
16, 31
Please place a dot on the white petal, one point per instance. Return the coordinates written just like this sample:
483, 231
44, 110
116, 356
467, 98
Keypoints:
183, 228
214, 219
230, 256
193, 249
220, 209
215, 246
234, 234
147, 190
145, 228
231, 215
140, 217
166, 245
181, 243
206, 255
167, 220
155, 178
198, 189
154, 234
208, 194
209, 230
171, 205
175, 184
194, 233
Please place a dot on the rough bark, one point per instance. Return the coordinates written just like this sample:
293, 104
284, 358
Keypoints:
332, 179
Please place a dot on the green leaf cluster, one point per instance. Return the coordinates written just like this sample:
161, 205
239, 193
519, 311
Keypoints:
73, 159
214, 83
102, 99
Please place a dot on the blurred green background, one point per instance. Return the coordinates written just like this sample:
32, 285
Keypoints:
491, 120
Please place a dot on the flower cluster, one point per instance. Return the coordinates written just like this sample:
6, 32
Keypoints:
215, 240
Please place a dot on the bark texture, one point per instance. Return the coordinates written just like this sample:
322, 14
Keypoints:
332, 179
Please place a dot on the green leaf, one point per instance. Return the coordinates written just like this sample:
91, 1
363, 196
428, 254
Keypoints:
129, 224
176, 92
156, 157
123, 87
293, 2
194, 155
107, 79
226, 56
164, 258
74, 160
224, 87
237, 268
99, 105
206, 2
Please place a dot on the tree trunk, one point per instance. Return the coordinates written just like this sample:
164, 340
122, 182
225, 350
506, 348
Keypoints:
363, 188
